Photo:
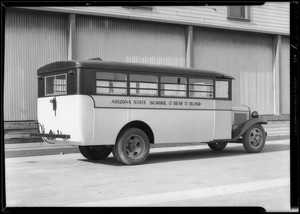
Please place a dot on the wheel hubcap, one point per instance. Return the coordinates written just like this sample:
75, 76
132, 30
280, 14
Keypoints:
255, 137
134, 146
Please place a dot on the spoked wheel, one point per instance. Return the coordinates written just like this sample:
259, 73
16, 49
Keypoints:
132, 147
217, 146
254, 139
95, 152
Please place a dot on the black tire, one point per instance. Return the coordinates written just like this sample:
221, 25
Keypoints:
95, 152
217, 146
254, 139
132, 147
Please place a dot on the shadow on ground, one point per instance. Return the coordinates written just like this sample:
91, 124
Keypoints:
172, 156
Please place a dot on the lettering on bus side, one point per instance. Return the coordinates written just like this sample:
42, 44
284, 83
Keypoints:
115, 101
142, 102
156, 102
195, 103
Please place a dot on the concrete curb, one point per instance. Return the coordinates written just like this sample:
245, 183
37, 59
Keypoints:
37, 149
40, 152
42, 148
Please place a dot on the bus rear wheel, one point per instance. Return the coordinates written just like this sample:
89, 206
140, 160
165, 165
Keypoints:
95, 152
254, 139
217, 146
132, 147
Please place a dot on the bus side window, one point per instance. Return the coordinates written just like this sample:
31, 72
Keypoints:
173, 86
146, 85
222, 89
111, 83
201, 88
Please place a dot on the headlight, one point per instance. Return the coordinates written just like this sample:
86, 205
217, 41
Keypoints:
254, 114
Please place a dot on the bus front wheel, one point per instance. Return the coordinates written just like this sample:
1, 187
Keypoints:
95, 152
254, 139
132, 147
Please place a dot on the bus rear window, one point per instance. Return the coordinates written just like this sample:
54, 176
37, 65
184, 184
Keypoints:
56, 84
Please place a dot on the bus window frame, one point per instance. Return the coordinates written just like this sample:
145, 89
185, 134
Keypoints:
135, 88
159, 89
199, 77
229, 89
166, 83
55, 75
111, 94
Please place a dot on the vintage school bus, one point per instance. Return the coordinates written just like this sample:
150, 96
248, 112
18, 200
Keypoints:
105, 107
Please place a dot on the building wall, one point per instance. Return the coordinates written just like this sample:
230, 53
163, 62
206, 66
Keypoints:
31, 40
272, 17
129, 41
246, 57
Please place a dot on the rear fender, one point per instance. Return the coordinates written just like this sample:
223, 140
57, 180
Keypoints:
241, 129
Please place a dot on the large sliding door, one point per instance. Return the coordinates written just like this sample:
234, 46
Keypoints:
247, 57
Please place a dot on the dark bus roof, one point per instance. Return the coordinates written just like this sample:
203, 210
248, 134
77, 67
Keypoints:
125, 66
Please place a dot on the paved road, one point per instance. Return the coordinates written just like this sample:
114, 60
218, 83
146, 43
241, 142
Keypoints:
180, 176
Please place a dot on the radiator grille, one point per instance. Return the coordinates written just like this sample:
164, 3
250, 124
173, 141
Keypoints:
239, 118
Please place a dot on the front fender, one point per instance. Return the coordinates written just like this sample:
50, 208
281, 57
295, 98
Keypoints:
241, 129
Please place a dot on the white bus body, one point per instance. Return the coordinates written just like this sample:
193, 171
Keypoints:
97, 120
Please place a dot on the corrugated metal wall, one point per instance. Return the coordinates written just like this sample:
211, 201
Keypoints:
130, 41
285, 76
31, 40
247, 57
34, 39
271, 17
